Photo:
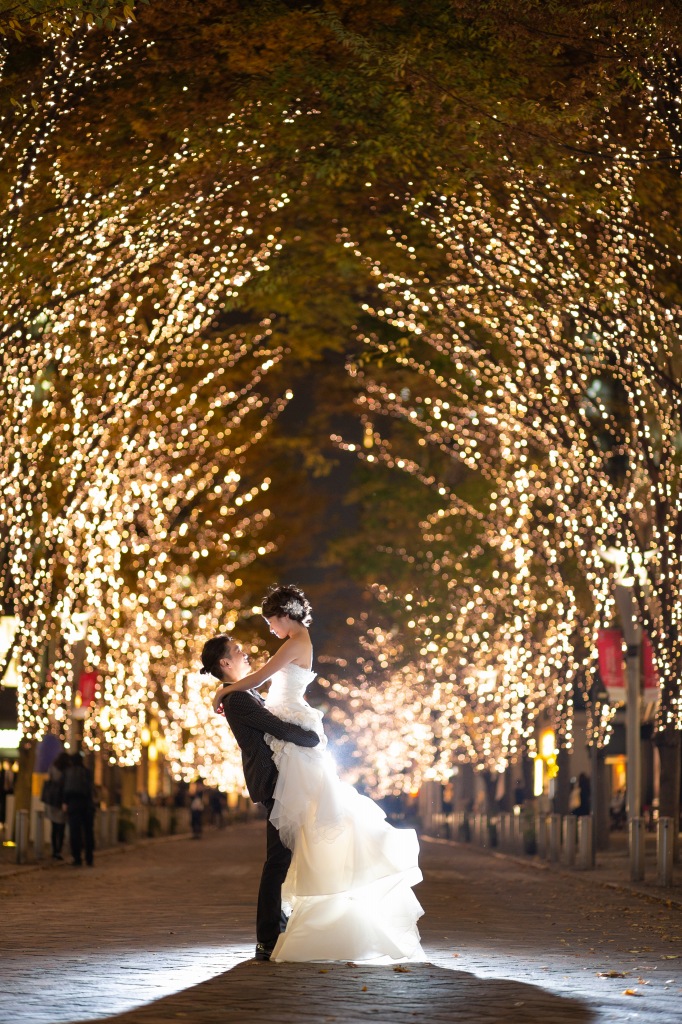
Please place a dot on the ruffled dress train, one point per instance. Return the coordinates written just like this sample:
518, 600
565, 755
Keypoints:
349, 887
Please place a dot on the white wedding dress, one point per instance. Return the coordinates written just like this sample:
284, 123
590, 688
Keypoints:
348, 889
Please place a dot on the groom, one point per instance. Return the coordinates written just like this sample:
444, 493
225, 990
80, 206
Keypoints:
249, 720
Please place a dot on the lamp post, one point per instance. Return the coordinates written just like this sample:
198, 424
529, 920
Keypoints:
598, 696
632, 632
627, 565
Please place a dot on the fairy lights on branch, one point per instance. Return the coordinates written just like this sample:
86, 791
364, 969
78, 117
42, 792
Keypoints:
543, 366
131, 407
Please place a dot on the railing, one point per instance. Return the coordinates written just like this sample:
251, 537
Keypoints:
566, 840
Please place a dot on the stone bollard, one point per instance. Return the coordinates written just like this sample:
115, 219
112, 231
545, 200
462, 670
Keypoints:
141, 821
510, 834
39, 835
541, 834
568, 846
665, 841
113, 826
102, 827
585, 848
519, 825
9, 818
503, 831
636, 834
22, 836
483, 830
554, 838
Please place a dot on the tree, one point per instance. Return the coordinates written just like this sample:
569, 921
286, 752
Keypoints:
535, 321
21, 17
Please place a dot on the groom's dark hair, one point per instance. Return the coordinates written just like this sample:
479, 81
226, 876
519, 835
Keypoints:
215, 649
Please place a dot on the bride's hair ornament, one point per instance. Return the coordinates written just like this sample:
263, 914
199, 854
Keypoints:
289, 601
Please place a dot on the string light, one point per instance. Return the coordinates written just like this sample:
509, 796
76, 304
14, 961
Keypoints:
540, 365
131, 411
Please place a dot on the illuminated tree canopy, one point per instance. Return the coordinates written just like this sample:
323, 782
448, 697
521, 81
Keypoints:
207, 208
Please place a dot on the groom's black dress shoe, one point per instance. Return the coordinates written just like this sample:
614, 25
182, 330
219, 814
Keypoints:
262, 952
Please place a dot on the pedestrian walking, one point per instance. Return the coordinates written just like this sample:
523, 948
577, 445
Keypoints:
580, 798
215, 803
79, 805
52, 796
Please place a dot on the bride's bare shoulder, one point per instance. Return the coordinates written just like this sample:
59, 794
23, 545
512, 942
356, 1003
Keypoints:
301, 652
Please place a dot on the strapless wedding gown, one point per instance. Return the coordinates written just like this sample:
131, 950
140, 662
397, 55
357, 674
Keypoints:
348, 889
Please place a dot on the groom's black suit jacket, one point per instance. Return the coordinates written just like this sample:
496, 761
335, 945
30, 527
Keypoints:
249, 720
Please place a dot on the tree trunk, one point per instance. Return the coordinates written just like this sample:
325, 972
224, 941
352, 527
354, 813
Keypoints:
490, 782
562, 782
24, 782
668, 741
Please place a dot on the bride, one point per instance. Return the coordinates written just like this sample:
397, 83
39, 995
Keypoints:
348, 888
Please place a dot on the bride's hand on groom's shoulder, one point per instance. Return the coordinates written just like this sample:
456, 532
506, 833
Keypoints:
219, 698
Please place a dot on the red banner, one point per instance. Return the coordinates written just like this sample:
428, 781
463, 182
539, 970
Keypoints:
610, 651
652, 684
87, 685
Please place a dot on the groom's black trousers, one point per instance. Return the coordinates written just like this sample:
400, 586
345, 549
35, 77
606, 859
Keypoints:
269, 919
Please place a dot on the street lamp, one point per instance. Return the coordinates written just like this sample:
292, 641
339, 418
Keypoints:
628, 565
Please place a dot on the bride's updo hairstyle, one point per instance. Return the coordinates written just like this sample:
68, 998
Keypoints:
214, 649
290, 601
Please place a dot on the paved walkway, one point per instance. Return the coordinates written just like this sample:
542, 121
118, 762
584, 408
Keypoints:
164, 932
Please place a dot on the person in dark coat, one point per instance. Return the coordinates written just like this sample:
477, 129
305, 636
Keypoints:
581, 801
53, 800
80, 810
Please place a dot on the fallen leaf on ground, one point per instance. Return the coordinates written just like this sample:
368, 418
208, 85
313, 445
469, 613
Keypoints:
631, 992
611, 974
364, 988
401, 970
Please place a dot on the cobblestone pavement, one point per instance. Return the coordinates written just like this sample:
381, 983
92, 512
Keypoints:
164, 932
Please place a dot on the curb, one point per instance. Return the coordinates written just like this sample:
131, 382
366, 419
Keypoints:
47, 864
580, 876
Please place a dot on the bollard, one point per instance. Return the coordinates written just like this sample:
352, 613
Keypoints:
585, 849
184, 820
502, 831
517, 833
22, 836
636, 832
664, 849
103, 827
568, 847
9, 817
113, 826
554, 837
39, 835
541, 834
491, 836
